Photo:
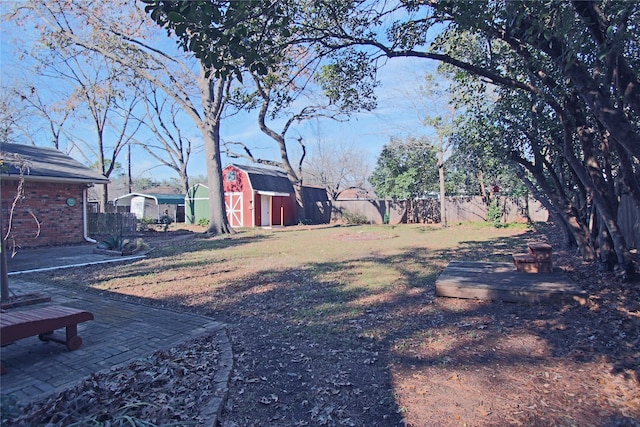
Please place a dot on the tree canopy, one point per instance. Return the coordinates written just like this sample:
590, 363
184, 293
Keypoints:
228, 37
406, 169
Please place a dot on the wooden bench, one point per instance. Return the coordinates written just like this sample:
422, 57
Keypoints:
43, 321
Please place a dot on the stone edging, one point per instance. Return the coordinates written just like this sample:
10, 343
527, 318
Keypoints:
213, 409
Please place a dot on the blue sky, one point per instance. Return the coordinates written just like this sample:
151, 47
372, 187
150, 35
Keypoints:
395, 116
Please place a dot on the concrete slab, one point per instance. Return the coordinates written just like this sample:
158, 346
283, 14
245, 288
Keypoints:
501, 282
51, 258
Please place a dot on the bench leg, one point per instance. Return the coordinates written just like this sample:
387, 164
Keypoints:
72, 340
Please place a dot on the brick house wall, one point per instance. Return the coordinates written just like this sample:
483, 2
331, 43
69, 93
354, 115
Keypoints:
59, 223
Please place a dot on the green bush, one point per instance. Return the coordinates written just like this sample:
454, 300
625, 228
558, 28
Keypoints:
494, 214
354, 218
118, 243
144, 223
112, 243
166, 219
203, 222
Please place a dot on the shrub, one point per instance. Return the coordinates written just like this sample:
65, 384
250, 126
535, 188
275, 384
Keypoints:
117, 243
494, 214
166, 219
144, 223
355, 218
112, 243
203, 222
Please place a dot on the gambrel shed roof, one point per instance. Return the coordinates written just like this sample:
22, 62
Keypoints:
267, 179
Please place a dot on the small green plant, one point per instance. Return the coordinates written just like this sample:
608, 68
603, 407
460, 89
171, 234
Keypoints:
494, 214
166, 221
113, 243
355, 218
117, 243
203, 222
144, 223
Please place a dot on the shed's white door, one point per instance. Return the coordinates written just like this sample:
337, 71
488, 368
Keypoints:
265, 210
137, 206
233, 203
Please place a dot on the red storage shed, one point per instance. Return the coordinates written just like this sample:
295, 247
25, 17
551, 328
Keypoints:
258, 197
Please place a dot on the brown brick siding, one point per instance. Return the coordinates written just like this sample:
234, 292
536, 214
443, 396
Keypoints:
45, 202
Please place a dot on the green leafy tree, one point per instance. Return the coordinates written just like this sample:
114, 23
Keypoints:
289, 95
575, 61
228, 37
257, 40
406, 169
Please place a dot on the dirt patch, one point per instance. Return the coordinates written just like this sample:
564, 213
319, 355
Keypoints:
362, 235
358, 338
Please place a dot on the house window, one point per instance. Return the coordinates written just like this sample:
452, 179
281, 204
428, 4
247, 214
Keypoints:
231, 176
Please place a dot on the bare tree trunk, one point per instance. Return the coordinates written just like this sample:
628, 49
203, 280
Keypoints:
591, 177
605, 213
294, 178
212, 101
483, 189
569, 213
4, 274
556, 217
443, 201
104, 198
129, 177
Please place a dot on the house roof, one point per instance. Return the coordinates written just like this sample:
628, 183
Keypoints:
267, 179
45, 164
356, 194
161, 199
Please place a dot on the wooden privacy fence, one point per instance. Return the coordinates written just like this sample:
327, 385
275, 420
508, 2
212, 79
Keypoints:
427, 211
629, 221
473, 208
112, 224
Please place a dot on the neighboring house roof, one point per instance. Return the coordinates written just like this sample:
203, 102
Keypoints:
45, 164
161, 199
268, 180
356, 194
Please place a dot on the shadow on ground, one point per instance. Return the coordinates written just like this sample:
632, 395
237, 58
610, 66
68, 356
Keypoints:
313, 346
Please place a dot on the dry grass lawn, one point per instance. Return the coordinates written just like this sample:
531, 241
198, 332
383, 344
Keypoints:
340, 326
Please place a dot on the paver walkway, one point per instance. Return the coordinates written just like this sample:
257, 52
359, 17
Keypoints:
121, 332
